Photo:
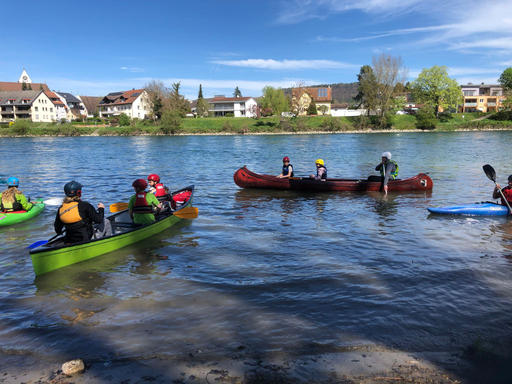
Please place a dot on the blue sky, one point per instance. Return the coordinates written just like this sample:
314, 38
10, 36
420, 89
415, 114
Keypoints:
96, 47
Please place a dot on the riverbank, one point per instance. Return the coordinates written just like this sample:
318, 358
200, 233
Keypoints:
270, 125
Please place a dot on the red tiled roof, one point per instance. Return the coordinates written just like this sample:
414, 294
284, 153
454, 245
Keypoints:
313, 93
228, 99
54, 98
11, 86
116, 99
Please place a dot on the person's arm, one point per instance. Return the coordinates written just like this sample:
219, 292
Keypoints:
58, 224
24, 203
131, 204
321, 171
379, 167
390, 167
91, 213
154, 201
496, 193
290, 170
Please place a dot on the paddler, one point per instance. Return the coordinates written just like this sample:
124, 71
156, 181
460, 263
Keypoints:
287, 171
157, 188
388, 170
78, 216
142, 205
12, 199
321, 170
507, 192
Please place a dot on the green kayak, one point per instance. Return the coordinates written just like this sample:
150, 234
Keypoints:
57, 254
19, 216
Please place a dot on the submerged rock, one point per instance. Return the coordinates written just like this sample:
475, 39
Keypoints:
73, 366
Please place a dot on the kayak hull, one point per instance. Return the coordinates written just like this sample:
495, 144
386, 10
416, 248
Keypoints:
476, 209
7, 219
245, 178
56, 254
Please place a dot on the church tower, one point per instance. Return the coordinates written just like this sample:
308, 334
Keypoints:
25, 77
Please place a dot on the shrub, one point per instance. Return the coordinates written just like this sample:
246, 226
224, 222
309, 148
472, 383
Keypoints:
124, 120
426, 119
228, 126
302, 125
286, 125
229, 114
502, 116
20, 127
361, 122
266, 112
68, 130
334, 124
171, 121
312, 108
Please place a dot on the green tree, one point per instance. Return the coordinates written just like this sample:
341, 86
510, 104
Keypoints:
506, 79
323, 109
435, 89
171, 121
41, 87
29, 87
157, 95
367, 89
202, 107
274, 99
200, 94
426, 119
312, 108
23, 86
177, 102
124, 120
237, 92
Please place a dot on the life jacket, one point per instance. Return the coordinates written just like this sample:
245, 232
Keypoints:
141, 205
286, 170
324, 176
392, 175
11, 207
507, 192
69, 214
160, 190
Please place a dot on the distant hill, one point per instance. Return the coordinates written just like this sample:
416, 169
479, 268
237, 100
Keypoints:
341, 92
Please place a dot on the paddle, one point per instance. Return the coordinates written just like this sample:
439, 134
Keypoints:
184, 213
2, 181
41, 242
491, 174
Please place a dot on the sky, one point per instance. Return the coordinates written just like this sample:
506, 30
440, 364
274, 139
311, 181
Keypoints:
96, 47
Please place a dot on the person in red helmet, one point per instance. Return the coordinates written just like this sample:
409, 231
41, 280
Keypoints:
157, 188
287, 171
142, 205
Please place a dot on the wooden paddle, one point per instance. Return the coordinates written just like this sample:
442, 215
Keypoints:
491, 174
184, 213
42, 242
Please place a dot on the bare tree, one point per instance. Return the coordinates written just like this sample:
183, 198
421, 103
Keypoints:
157, 95
299, 101
388, 71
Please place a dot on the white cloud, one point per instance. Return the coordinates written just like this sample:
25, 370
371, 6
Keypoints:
135, 70
123, 68
506, 62
286, 64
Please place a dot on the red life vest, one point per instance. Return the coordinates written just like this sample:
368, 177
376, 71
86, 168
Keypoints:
507, 192
160, 190
141, 205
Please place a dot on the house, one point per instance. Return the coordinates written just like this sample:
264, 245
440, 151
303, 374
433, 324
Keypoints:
33, 105
302, 97
342, 109
18, 86
409, 105
482, 98
76, 109
133, 103
238, 106
60, 109
91, 105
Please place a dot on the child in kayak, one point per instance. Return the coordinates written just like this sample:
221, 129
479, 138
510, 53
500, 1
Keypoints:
507, 192
321, 171
142, 205
12, 199
287, 171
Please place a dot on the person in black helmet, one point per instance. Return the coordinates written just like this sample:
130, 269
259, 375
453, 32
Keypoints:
507, 192
78, 216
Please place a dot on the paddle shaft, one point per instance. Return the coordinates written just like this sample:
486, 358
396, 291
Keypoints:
504, 198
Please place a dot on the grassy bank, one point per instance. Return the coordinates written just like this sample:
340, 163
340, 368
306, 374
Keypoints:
310, 124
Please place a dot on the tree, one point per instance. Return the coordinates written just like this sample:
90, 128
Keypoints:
29, 87
506, 79
312, 108
41, 87
436, 90
323, 109
202, 107
23, 86
426, 119
177, 102
367, 89
200, 94
388, 71
237, 93
274, 99
300, 99
124, 120
171, 121
157, 94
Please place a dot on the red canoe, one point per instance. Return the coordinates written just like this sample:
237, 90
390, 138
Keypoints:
247, 179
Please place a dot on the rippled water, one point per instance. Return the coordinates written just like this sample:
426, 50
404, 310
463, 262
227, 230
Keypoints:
264, 271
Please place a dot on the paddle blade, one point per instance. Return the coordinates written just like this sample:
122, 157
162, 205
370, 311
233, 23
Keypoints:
55, 201
187, 213
37, 244
118, 207
490, 172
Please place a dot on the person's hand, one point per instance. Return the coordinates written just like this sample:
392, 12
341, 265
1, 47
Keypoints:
498, 186
101, 205
386, 189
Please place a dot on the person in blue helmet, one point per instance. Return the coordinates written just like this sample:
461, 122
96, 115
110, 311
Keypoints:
12, 199
81, 220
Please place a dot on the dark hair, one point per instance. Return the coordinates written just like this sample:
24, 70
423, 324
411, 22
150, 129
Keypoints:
510, 178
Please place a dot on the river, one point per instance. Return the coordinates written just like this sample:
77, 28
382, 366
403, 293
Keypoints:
264, 271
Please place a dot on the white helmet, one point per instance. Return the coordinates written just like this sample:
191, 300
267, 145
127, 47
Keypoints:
387, 154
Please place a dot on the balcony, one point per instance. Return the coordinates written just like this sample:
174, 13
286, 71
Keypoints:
491, 104
470, 104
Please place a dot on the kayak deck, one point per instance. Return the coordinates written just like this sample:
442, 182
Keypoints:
484, 208
7, 219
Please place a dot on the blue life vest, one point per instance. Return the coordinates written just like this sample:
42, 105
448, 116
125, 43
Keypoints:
285, 170
391, 175
324, 176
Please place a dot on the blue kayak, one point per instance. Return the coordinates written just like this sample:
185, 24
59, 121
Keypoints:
476, 209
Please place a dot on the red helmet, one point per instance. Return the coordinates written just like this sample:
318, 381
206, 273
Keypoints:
286, 158
154, 178
140, 184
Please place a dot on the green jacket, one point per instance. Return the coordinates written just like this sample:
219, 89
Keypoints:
21, 202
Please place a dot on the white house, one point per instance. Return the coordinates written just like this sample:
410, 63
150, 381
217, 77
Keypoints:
76, 108
59, 108
132, 103
342, 110
238, 106
33, 105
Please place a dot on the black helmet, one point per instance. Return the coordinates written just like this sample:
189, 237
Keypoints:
510, 178
73, 188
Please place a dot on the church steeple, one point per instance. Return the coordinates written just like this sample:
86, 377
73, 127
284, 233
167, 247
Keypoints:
25, 77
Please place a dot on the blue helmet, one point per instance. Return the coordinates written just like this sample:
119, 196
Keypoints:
13, 182
73, 188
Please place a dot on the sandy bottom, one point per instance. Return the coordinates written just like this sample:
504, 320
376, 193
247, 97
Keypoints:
367, 365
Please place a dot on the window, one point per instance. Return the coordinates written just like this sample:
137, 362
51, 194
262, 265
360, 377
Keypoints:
36, 109
51, 109
322, 92
469, 93
37, 117
481, 100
